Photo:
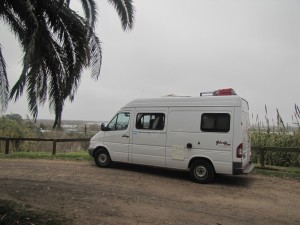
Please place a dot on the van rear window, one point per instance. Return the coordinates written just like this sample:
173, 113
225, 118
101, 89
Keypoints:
215, 122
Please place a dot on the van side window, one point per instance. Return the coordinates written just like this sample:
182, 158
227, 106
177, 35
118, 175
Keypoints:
150, 121
215, 122
119, 122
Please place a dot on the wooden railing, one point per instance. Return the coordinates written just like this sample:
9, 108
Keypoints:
261, 151
53, 140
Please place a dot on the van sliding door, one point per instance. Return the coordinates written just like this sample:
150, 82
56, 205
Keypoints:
149, 137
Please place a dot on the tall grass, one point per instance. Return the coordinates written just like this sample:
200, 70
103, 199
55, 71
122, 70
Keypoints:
277, 135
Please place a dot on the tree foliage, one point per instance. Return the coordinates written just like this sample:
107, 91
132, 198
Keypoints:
57, 45
12, 125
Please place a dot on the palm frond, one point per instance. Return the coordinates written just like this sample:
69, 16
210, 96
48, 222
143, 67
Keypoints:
96, 56
42, 83
15, 24
32, 94
17, 90
125, 11
4, 86
90, 12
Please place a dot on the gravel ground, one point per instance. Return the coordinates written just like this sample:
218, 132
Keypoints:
131, 194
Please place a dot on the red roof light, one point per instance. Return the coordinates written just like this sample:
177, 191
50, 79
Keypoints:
220, 92
227, 91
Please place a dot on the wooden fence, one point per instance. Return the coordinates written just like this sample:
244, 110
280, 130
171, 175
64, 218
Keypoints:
53, 140
261, 151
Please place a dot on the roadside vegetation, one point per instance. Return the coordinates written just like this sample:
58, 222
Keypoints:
278, 171
14, 126
279, 135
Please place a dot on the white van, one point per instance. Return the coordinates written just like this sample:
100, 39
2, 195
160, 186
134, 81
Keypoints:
204, 135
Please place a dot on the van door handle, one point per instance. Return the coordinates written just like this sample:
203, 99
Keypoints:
125, 135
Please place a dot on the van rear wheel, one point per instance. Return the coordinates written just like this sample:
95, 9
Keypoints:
102, 158
202, 171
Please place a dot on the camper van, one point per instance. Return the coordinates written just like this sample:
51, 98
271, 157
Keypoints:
205, 135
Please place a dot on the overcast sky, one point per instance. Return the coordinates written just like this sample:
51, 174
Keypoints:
185, 47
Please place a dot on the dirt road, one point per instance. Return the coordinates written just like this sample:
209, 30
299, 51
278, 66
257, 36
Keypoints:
127, 194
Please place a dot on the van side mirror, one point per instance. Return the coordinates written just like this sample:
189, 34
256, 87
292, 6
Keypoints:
103, 127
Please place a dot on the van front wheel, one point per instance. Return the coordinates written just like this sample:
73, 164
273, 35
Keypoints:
102, 158
202, 171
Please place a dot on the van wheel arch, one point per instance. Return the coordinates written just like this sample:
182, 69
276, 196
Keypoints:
102, 157
201, 170
100, 148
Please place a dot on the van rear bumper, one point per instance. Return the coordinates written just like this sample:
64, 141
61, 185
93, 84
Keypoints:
237, 168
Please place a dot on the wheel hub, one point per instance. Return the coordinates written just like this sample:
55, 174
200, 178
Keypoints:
102, 158
200, 171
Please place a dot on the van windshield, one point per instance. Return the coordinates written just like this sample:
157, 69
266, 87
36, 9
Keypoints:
119, 122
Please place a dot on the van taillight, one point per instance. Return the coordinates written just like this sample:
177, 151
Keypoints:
239, 151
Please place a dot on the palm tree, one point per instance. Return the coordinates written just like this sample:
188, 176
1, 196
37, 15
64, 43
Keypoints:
57, 44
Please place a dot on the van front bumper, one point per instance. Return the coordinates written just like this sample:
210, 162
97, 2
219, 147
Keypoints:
91, 151
92, 147
237, 168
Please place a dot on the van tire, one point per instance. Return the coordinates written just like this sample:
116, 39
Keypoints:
102, 158
202, 171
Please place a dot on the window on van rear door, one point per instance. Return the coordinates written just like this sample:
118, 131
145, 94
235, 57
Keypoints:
215, 122
150, 121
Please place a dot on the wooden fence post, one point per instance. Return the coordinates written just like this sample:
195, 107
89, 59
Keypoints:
262, 156
7, 146
54, 147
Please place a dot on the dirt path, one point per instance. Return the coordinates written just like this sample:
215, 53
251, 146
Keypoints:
127, 194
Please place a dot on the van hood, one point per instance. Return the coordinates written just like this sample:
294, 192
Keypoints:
99, 136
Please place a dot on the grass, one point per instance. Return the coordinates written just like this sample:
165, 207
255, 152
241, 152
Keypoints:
12, 213
277, 171
82, 155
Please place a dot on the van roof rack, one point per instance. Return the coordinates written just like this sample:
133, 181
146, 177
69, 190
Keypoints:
219, 92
